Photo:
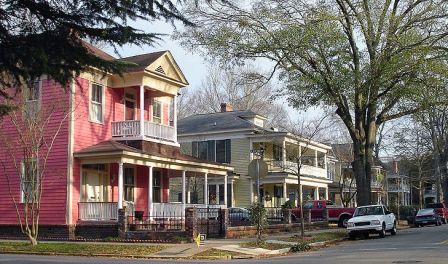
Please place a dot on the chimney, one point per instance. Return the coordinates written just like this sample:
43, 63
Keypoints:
225, 107
395, 166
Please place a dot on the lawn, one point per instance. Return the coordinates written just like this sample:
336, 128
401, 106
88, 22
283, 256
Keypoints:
270, 246
319, 237
83, 249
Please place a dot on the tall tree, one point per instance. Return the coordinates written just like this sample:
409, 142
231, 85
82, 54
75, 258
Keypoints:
45, 37
372, 61
244, 88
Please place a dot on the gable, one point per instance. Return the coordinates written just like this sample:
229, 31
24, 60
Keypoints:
166, 66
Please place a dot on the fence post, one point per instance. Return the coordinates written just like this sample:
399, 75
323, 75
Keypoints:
224, 217
122, 222
286, 216
325, 217
191, 222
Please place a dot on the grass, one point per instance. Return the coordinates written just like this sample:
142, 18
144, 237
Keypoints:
217, 253
270, 246
79, 249
319, 237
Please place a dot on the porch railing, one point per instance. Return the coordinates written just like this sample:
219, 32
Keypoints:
177, 208
131, 128
98, 211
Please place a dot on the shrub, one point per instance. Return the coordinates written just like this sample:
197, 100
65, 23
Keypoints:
288, 205
258, 219
299, 247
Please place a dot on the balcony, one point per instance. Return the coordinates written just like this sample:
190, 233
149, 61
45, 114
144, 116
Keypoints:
130, 129
291, 167
396, 188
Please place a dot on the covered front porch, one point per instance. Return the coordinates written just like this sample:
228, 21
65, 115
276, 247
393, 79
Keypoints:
276, 189
148, 186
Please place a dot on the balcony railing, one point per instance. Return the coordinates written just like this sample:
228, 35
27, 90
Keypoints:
395, 188
291, 167
131, 128
177, 208
98, 211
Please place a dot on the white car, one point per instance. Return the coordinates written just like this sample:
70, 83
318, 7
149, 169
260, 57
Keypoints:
372, 219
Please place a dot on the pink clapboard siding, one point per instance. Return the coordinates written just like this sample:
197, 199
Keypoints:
53, 203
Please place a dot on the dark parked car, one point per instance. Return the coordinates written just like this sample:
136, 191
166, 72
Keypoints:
427, 216
441, 209
239, 216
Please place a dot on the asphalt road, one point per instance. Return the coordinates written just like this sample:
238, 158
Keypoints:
416, 245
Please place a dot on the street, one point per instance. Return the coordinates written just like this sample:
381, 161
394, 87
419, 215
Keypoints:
415, 245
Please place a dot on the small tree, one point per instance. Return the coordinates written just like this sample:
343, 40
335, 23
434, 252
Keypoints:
27, 136
258, 219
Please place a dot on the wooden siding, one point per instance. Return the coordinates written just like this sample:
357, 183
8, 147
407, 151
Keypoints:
53, 201
240, 161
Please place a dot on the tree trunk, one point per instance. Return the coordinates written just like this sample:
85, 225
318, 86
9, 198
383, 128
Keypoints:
360, 172
32, 239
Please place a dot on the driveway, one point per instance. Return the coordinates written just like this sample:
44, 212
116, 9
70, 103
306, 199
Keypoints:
415, 245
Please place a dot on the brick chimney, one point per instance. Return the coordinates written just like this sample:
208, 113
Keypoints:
395, 166
225, 107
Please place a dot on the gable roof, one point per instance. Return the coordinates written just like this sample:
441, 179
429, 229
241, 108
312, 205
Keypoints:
215, 122
142, 60
98, 52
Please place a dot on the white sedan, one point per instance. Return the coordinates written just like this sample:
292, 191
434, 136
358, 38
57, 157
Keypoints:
371, 219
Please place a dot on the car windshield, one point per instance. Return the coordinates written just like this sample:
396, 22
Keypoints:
371, 210
425, 211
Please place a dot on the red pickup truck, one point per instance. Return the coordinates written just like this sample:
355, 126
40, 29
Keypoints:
336, 214
440, 209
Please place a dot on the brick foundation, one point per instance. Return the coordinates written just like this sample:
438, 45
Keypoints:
45, 232
251, 231
96, 230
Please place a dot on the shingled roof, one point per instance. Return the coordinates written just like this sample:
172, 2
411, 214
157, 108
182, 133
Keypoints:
214, 122
142, 60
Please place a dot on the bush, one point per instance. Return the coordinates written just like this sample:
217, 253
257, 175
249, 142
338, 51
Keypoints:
405, 211
288, 205
299, 247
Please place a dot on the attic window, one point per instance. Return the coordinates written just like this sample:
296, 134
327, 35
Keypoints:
160, 70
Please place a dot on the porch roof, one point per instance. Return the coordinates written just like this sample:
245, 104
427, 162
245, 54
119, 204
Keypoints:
160, 155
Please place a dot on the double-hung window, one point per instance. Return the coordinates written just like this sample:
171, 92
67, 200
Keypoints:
129, 184
96, 103
29, 181
157, 112
32, 95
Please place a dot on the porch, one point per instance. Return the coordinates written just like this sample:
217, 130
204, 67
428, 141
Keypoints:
148, 186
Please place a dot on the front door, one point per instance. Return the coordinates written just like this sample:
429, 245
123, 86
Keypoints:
93, 187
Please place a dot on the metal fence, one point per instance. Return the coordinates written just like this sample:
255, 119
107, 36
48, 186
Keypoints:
161, 222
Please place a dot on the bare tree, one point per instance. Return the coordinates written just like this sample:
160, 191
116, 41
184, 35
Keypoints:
412, 147
245, 88
27, 136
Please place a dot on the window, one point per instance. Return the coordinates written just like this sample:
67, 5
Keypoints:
129, 102
278, 153
129, 184
157, 112
96, 103
223, 151
33, 92
29, 181
212, 150
157, 187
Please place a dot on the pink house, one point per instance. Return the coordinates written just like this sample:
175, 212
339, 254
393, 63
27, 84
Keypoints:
117, 149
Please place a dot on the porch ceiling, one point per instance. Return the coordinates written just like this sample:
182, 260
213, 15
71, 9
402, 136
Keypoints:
114, 152
278, 178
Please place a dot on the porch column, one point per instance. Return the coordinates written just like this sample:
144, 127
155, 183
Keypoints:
225, 190
206, 189
326, 193
316, 193
188, 191
142, 111
285, 191
232, 194
284, 151
120, 185
325, 161
184, 196
150, 192
217, 193
175, 117
316, 163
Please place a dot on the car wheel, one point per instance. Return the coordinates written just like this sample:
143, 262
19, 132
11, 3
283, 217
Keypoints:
343, 221
382, 233
351, 236
393, 231
417, 225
